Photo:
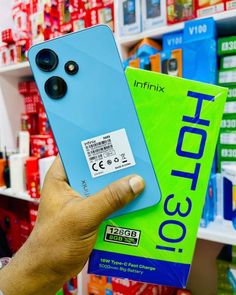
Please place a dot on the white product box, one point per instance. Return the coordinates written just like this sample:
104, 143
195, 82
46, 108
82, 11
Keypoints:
153, 14
129, 17
44, 165
24, 142
17, 172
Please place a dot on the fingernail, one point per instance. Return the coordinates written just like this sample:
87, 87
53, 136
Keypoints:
137, 184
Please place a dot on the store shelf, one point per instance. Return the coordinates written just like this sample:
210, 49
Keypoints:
9, 192
221, 232
226, 21
19, 70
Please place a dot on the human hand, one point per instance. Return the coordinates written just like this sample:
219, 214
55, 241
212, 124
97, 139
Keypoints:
64, 234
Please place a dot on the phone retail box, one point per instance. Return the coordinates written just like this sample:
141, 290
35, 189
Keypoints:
227, 45
172, 40
129, 17
156, 244
229, 193
172, 62
227, 77
231, 93
199, 50
228, 122
153, 14
209, 7
179, 11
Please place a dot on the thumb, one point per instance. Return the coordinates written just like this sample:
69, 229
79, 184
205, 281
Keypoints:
115, 196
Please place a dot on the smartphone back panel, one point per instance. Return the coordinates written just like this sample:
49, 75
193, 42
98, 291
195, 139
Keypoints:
95, 123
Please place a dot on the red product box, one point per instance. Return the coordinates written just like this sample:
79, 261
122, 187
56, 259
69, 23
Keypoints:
209, 7
44, 126
12, 53
7, 36
11, 226
25, 230
23, 87
29, 122
32, 177
33, 213
4, 56
95, 3
102, 15
31, 103
43, 146
33, 87
20, 14
180, 11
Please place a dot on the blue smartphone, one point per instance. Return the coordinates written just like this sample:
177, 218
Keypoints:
89, 106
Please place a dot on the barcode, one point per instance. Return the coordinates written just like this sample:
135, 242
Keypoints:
100, 150
96, 158
93, 145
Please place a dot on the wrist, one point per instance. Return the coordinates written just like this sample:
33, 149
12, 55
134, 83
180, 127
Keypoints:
28, 274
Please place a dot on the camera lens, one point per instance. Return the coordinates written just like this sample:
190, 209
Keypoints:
55, 87
71, 67
46, 60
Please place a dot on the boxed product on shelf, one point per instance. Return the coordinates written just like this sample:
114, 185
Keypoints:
43, 146
179, 11
230, 107
227, 45
102, 14
226, 155
8, 55
129, 17
228, 62
33, 213
182, 156
32, 177
229, 193
17, 172
43, 123
7, 36
209, 7
172, 62
231, 93
22, 47
199, 50
31, 102
229, 5
227, 77
210, 206
228, 123
29, 122
153, 14
2, 168
172, 40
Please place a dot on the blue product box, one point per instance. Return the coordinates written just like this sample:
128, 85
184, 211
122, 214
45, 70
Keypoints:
200, 50
229, 193
209, 210
172, 40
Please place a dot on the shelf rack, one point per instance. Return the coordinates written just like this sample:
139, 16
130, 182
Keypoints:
9, 192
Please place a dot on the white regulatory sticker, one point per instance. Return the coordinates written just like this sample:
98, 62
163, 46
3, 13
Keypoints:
108, 153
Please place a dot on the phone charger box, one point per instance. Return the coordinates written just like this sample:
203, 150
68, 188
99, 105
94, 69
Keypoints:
179, 11
182, 150
227, 45
207, 7
17, 172
129, 17
153, 14
199, 50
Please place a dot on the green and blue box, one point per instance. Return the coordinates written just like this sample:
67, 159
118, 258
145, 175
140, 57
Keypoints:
180, 120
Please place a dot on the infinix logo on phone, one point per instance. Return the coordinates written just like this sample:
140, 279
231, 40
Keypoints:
149, 86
